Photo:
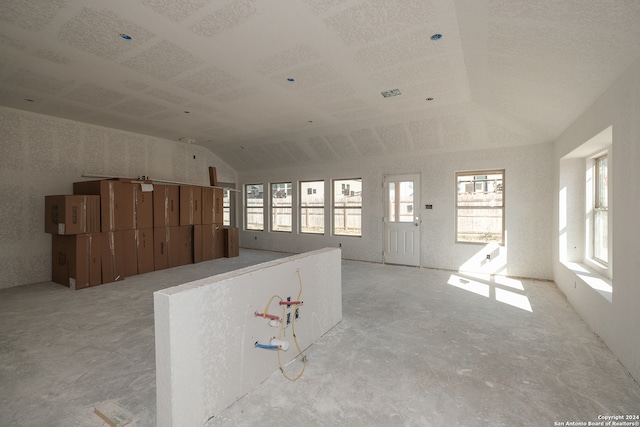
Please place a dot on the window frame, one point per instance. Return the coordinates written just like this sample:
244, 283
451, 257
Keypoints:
459, 208
303, 209
246, 207
598, 207
334, 207
273, 208
228, 209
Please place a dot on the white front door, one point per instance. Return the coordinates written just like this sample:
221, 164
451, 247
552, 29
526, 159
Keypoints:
402, 219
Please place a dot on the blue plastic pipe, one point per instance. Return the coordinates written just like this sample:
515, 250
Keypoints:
267, 346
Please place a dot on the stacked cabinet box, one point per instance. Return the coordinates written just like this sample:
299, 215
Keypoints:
144, 250
113, 256
190, 205
231, 248
130, 252
116, 202
180, 245
76, 260
113, 228
166, 205
160, 248
67, 215
212, 205
218, 206
213, 238
212, 241
143, 210
74, 222
197, 243
173, 246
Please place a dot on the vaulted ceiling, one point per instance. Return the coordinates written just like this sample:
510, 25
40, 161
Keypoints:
270, 83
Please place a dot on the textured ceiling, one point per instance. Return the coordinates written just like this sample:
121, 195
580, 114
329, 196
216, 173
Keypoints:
215, 72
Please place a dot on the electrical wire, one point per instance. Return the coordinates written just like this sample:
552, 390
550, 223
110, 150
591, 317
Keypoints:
293, 331
266, 309
295, 338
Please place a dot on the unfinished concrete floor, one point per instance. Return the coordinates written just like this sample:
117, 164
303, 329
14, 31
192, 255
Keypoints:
416, 347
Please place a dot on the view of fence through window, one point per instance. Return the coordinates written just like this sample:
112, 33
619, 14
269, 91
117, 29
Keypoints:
312, 207
281, 206
400, 201
254, 203
226, 207
347, 207
480, 207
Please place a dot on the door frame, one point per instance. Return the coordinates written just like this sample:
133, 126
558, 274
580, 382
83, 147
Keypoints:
416, 177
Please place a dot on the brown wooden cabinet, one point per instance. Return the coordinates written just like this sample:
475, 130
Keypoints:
231, 247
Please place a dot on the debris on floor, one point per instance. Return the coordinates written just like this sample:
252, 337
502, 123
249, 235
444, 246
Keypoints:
113, 414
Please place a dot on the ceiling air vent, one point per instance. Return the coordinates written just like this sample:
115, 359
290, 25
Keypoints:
390, 93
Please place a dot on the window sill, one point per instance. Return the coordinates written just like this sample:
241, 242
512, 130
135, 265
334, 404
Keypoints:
491, 242
595, 281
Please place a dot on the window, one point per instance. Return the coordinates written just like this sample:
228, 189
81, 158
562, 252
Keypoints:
480, 206
400, 201
226, 207
584, 213
254, 206
281, 208
228, 204
347, 207
312, 207
600, 210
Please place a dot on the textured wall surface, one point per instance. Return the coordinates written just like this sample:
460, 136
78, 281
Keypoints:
43, 155
528, 190
206, 332
618, 107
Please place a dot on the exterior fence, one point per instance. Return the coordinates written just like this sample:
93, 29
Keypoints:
347, 219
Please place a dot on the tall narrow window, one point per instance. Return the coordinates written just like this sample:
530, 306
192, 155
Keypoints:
254, 206
226, 207
281, 209
312, 207
347, 207
480, 206
601, 210
228, 204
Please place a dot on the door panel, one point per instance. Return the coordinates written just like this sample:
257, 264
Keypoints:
402, 219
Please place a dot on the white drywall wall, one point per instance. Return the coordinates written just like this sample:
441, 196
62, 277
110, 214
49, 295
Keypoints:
42, 155
528, 201
617, 320
205, 332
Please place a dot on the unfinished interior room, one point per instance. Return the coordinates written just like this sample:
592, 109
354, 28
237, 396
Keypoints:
319, 212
